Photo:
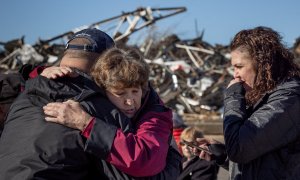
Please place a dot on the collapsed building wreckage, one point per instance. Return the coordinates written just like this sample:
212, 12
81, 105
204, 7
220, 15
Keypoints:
189, 75
16, 52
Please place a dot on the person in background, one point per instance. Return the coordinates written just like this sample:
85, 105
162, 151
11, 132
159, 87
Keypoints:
261, 109
178, 127
193, 166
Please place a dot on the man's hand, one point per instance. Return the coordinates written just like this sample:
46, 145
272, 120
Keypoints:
69, 113
55, 72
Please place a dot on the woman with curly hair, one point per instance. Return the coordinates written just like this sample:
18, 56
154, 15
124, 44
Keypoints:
262, 108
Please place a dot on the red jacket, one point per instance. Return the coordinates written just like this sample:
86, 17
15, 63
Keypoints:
139, 153
143, 151
176, 134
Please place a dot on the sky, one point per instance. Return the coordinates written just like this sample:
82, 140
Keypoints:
219, 19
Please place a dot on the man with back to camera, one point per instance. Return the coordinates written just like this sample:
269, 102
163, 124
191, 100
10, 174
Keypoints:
30, 147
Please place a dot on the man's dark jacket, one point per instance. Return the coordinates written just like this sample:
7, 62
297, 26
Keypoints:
31, 148
10, 86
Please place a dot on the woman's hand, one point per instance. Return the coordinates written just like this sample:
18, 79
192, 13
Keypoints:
55, 72
235, 80
69, 113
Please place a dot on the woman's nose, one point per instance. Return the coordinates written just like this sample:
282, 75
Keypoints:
129, 101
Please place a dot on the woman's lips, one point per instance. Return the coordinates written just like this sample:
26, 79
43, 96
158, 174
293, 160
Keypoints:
130, 111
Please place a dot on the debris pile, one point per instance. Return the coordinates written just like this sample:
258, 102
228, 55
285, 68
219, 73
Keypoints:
190, 75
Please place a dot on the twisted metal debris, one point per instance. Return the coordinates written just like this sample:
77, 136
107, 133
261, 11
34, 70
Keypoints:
190, 75
14, 53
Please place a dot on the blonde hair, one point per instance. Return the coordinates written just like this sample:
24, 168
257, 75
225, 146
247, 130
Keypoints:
191, 134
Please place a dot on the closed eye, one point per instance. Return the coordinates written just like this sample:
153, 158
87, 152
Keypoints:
119, 94
135, 91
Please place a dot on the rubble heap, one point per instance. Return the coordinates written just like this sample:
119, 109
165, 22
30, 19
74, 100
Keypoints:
190, 75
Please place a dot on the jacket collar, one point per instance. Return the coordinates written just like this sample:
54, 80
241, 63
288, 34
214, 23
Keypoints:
292, 85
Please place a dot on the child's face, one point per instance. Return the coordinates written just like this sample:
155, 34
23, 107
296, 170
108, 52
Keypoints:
186, 150
127, 100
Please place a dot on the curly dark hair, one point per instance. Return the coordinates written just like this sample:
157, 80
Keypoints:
274, 62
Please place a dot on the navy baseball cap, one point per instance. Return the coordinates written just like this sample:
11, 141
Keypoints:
99, 41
